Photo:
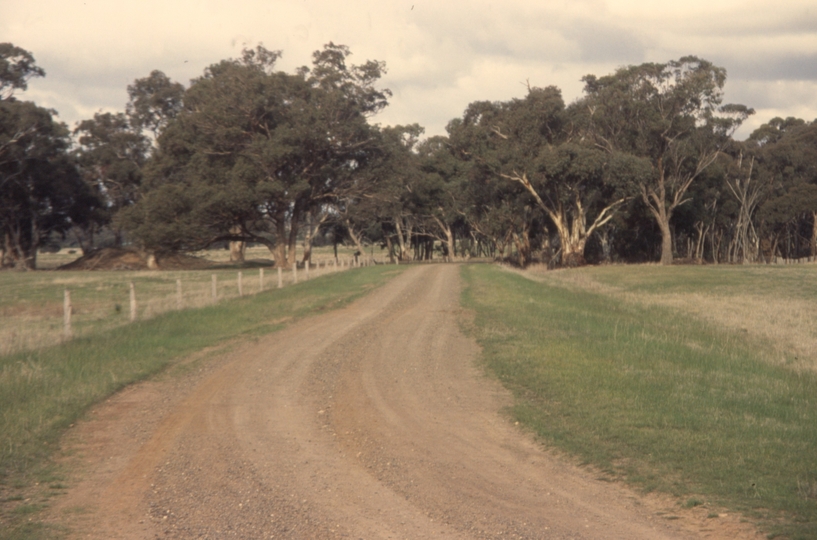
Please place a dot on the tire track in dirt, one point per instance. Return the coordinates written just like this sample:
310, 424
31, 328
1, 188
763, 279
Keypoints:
367, 422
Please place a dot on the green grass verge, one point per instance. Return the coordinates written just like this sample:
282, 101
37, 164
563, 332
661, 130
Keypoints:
653, 396
42, 392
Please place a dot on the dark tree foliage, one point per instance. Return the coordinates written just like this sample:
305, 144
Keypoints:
670, 114
787, 160
111, 155
154, 101
17, 67
380, 207
642, 167
41, 192
527, 155
254, 150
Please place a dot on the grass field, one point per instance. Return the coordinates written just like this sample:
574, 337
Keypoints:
667, 377
31, 303
43, 391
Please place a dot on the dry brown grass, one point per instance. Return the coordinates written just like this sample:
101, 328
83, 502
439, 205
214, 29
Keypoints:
780, 317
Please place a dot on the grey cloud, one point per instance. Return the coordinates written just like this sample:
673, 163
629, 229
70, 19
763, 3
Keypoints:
440, 55
752, 21
602, 43
772, 94
791, 67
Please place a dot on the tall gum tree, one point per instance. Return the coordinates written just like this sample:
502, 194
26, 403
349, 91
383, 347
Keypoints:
786, 151
382, 193
497, 211
154, 101
111, 155
530, 142
41, 192
254, 150
438, 191
671, 114
17, 67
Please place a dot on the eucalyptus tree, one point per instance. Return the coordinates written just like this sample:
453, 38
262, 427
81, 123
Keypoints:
747, 191
494, 208
402, 174
531, 143
379, 203
41, 192
254, 150
672, 114
17, 67
439, 193
786, 151
154, 101
111, 155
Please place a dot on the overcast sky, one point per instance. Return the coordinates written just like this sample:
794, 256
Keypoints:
440, 54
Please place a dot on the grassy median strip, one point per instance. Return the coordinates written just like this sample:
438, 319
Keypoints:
42, 392
653, 395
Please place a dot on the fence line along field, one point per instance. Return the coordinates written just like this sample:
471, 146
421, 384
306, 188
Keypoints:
33, 304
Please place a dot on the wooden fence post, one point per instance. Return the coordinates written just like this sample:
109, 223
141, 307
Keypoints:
179, 299
214, 288
295, 272
240, 290
67, 308
280, 278
260, 279
132, 302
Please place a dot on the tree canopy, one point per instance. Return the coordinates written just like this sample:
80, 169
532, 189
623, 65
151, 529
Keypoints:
254, 150
41, 192
643, 166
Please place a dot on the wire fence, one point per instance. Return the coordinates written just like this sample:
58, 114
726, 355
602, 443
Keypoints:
52, 308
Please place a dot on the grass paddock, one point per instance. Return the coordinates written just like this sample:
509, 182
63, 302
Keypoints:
606, 365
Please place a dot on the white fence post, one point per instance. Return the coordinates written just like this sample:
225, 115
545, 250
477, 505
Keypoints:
295, 272
240, 290
260, 279
214, 288
280, 278
306, 266
66, 318
132, 302
179, 299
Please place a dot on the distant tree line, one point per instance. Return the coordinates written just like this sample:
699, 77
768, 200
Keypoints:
642, 167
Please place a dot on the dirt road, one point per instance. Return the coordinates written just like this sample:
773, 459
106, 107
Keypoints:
368, 422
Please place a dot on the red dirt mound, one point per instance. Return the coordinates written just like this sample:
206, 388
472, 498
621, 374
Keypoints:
127, 259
